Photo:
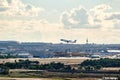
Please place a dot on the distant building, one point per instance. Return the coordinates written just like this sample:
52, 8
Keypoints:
95, 56
25, 55
3, 54
113, 51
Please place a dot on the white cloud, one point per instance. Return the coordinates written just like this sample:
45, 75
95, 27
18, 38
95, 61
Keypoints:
97, 17
108, 20
80, 15
99, 12
78, 18
114, 15
18, 8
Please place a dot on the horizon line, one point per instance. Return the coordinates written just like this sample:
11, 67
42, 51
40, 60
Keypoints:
52, 42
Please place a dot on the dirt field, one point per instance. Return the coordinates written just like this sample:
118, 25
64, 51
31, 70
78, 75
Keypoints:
2, 78
48, 60
111, 69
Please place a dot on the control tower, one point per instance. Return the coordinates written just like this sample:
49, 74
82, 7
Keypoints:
87, 41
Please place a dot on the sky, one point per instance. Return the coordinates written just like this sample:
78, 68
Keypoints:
52, 20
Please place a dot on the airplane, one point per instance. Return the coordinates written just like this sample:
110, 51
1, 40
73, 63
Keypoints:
68, 41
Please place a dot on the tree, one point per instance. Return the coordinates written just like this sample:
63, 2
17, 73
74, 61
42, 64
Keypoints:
89, 68
4, 70
98, 67
68, 67
102, 62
